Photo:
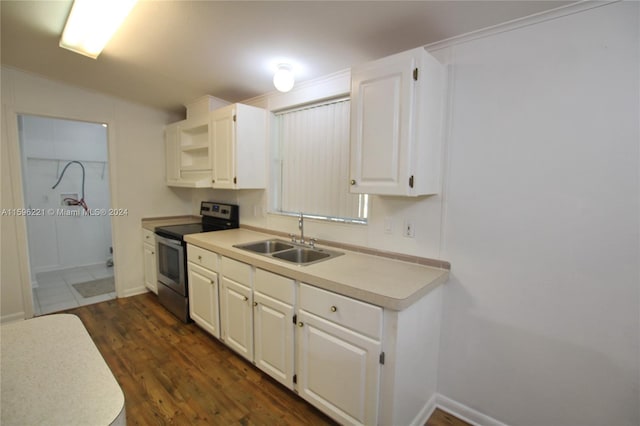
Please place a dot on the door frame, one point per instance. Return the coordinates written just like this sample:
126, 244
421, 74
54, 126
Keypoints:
15, 160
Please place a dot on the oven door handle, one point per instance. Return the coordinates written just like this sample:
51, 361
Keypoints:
169, 241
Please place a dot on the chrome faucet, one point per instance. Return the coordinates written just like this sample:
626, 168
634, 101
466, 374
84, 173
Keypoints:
301, 227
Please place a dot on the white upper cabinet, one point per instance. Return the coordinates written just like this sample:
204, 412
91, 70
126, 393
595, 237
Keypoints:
238, 143
396, 124
172, 165
224, 148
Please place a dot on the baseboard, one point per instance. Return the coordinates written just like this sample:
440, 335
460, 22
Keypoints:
19, 316
134, 291
465, 413
426, 411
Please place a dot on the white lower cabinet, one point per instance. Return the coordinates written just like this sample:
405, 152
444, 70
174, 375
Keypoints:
338, 370
149, 259
338, 366
358, 363
202, 275
203, 298
236, 313
273, 325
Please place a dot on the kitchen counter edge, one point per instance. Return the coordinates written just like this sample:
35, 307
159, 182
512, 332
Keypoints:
150, 223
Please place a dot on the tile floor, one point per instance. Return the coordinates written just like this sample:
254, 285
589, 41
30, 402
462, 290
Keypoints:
55, 291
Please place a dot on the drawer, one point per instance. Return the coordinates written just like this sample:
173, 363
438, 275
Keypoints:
148, 237
345, 311
274, 285
237, 271
202, 257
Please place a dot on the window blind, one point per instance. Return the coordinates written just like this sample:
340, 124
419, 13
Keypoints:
314, 162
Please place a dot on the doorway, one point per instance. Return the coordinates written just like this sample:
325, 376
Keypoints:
67, 199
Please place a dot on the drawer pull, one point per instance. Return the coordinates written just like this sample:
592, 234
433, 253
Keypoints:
245, 298
334, 309
199, 257
255, 303
300, 324
211, 282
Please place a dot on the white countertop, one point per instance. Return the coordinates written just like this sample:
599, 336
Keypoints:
53, 374
389, 283
150, 223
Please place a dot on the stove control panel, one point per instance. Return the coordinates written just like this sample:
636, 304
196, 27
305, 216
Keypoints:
219, 211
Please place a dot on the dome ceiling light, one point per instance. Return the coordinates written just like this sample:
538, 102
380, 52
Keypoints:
283, 78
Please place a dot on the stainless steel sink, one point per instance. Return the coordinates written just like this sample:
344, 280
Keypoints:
301, 255
289, 252
268, 246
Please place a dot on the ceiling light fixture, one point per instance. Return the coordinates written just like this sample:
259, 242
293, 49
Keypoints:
91, 24
283, 78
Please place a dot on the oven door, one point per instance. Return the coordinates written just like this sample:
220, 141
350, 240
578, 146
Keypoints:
171, 264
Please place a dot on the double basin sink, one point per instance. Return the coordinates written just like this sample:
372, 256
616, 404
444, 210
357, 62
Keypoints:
289, 251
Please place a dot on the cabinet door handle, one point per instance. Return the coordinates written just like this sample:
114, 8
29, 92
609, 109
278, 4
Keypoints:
300, 324
212, 282
199, 257
353, 182
334, 309
255, 303
245, 298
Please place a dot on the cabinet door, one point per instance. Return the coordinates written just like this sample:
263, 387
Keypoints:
150, 272
223, 147
237, 317
338, 370
273, 338
381, 125
172, 154
203, 298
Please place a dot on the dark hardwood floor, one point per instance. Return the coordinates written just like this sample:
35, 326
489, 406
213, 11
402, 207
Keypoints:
175, 373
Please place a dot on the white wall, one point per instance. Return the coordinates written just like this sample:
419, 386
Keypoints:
541, 317
136, 161
58, 241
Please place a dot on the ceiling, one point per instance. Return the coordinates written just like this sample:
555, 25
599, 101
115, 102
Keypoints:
168, 53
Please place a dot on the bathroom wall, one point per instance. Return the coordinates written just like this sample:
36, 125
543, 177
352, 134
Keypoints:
65, 236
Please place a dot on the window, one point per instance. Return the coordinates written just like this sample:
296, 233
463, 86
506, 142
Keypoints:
311, 164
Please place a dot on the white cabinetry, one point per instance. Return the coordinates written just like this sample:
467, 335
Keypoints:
202, 267
236, 313
339, 349
396, 122
238, 141
273, 326
172, 157
356, 362
224, 148
149, 259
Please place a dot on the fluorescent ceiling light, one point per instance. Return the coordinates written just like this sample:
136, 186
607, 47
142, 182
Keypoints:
92, 23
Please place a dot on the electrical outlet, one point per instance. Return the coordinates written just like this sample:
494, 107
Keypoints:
409, 230
388, 225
